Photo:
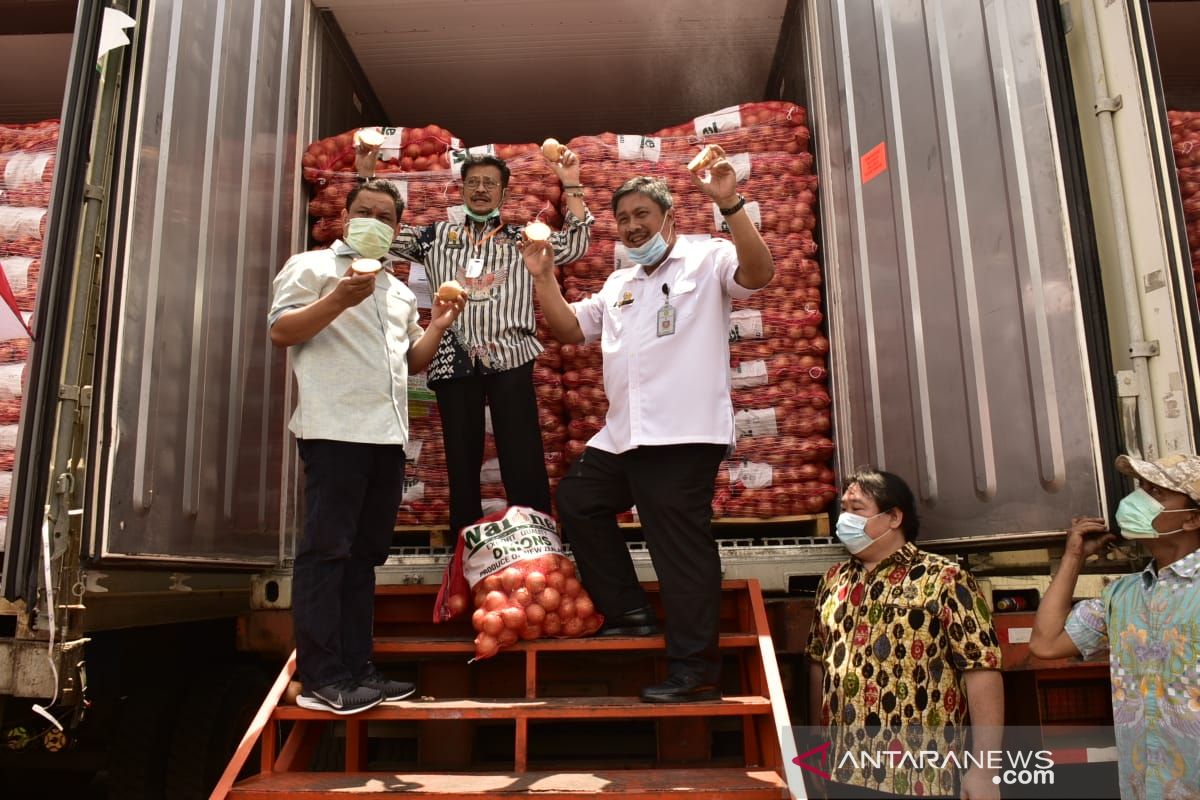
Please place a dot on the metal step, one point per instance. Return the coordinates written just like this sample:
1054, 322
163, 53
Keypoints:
653, 784
403, 645
586, 708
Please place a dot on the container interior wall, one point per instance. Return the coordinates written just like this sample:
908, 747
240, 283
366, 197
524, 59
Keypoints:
954, 314
1176, 27
191, 453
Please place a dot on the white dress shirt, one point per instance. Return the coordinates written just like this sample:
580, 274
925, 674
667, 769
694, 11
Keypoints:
671, 389
353, 375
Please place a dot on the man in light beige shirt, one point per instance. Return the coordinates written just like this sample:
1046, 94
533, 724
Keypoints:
353, 333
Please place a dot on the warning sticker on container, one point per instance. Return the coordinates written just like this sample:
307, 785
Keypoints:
745, 323
752, 210
756, 422
392, 142
418, 283
749, 374
638, 148
10, 381
727, 119
873, 162
25, 169
16, 269
21, 223
741, 165
752, 475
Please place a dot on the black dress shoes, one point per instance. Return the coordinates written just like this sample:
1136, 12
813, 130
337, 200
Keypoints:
639, 622
682, 687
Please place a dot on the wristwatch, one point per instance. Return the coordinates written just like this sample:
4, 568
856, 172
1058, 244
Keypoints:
733, 209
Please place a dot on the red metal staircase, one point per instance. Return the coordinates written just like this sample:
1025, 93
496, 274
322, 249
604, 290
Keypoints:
550, 694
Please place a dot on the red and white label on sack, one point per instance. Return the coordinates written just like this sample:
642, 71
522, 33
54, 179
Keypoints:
521, 534
752, 475
401, 187
457, 215
20, 223
752, 210
8, 437
745, 323
458, 155
489, 472
412, 450
414, 492
749, 374
755, 422
393, 139
16, 269
727, 119
418, 284
5, 483
488, 430
638, 148
10, 381
25, 169
741, 165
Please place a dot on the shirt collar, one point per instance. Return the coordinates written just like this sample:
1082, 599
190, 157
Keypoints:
907, 554
341, 249
1186, 567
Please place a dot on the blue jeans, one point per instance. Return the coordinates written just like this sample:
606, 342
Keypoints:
351, 493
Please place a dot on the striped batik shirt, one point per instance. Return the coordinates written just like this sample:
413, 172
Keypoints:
496, 331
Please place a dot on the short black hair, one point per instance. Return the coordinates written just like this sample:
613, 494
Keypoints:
889, 491
654, 188
382, 186
484, 160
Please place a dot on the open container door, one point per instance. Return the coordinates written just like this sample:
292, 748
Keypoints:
190, 395
961, 358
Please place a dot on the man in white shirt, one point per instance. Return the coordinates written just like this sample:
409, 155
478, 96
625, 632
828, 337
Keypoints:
354, 339
664, 333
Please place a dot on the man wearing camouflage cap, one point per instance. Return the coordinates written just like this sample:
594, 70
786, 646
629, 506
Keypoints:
1149, 622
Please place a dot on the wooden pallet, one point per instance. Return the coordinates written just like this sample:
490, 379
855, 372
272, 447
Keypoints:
525, 695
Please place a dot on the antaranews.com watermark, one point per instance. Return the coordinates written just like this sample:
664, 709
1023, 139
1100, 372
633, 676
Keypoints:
1035, 762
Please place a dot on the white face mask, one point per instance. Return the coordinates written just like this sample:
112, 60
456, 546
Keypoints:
651, 251
852, 531
369, 237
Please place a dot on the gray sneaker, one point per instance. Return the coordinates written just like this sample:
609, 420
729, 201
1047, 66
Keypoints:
391, 690
343, 697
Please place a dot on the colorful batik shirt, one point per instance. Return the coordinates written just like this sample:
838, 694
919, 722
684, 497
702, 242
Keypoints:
894, 644
1150, 623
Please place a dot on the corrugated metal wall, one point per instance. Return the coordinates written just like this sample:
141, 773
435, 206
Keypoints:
193, 459
955, 315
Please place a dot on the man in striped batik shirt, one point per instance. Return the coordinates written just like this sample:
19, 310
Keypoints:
487, 357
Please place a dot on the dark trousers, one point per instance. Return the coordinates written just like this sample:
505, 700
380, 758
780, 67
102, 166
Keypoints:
352, 492
672, 487
510, 397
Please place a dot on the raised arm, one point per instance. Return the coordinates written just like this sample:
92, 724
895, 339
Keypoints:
539, 260
756, 266
1086, 537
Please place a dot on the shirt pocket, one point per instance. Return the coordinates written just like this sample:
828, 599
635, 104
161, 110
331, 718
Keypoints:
685, 298
399, 309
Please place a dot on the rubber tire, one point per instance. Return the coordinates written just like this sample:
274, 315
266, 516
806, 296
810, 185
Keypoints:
137, 767
212, 719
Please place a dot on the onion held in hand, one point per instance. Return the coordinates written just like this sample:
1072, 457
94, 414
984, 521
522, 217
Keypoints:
450, 291
537, 231
553, 151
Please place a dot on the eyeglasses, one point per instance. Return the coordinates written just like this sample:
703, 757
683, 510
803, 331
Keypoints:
482, 183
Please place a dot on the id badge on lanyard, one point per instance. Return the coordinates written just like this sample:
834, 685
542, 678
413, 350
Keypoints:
474, 267
666, 314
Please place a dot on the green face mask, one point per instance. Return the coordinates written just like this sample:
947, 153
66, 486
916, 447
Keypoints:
369, 237
1136, 514
493, 214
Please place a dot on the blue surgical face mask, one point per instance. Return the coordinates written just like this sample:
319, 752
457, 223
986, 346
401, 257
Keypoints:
852, 531
650, 252
489, 216
1136, 513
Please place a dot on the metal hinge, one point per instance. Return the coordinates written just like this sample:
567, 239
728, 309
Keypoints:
1144, 349
93, 192
1108, 105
